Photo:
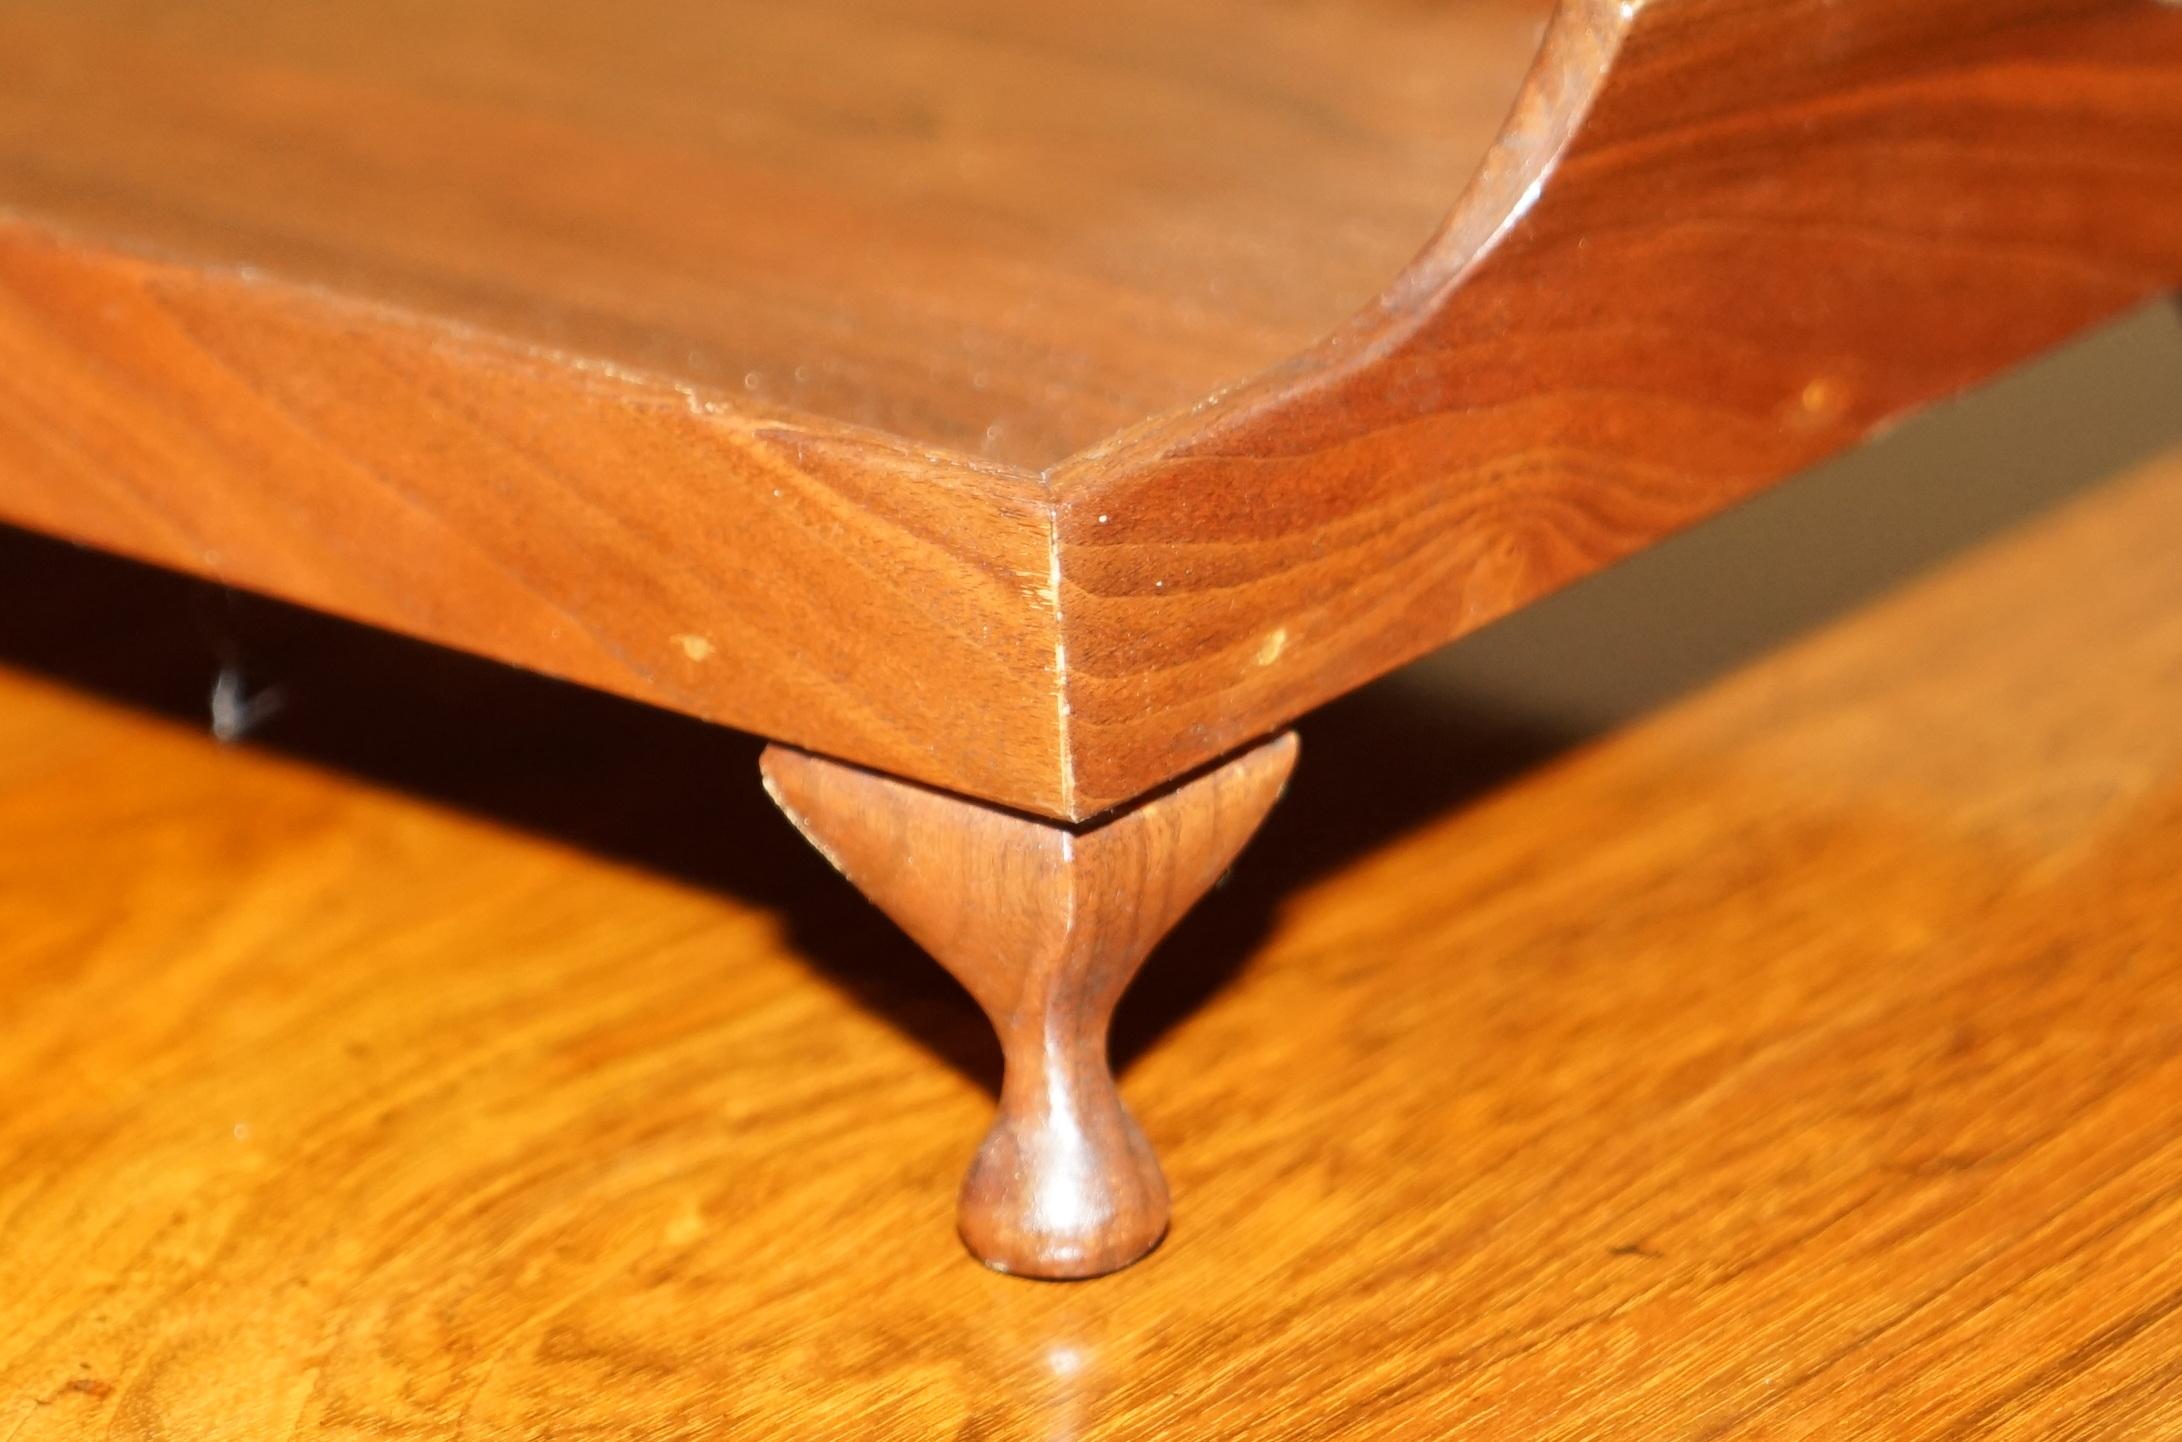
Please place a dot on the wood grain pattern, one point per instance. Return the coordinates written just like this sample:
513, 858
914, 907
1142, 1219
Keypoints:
732, 564
1003, 229
1797, 1062
525, 279
1718, 242
1046, 925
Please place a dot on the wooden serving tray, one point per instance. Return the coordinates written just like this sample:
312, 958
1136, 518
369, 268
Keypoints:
1040, 403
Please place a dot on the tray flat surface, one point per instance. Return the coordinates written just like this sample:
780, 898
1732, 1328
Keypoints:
1009, 229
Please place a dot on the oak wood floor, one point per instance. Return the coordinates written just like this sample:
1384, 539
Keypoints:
472, 1057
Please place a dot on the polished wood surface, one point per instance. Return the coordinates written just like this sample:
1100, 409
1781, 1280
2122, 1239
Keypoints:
1045, 925
949, 402
1006, 229
703, 352
834, 590
1788, 1052
1718, 242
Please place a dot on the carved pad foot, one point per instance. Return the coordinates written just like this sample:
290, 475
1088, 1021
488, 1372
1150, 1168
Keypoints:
1045, 924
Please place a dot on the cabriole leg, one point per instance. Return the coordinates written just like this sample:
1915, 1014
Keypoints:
1045, 924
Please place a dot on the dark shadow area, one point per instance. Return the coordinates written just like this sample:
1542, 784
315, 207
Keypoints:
640, 785
681, 798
